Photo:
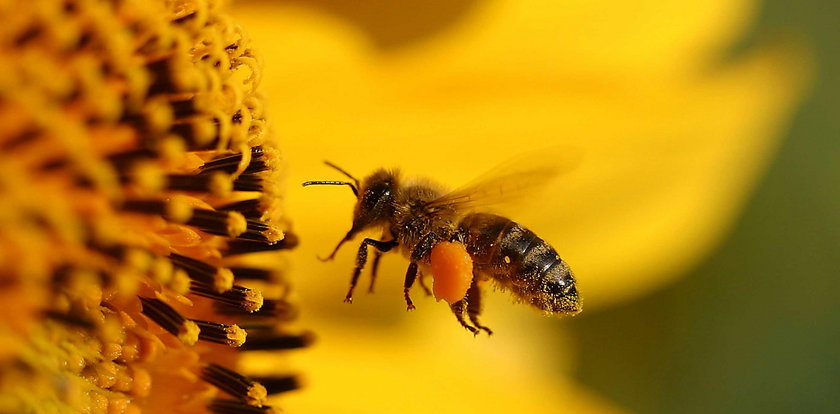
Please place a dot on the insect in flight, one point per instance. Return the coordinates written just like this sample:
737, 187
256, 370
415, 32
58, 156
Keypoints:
448, 235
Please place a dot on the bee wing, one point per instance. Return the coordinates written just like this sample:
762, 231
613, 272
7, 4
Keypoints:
509, 183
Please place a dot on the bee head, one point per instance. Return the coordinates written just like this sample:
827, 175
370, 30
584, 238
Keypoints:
373, 205
374, 200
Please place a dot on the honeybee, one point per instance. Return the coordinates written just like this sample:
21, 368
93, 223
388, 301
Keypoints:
449, 235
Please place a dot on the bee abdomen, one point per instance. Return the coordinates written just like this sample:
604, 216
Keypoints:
483, 233
520, 261
496, 240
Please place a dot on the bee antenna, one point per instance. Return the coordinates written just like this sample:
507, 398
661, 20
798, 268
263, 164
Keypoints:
341, 170
352, 187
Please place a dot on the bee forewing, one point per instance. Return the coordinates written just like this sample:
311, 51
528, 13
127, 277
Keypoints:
508, 184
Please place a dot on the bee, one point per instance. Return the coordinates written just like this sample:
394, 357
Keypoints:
449, 235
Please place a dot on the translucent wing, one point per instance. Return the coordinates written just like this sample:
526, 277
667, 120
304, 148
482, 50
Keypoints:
510, 183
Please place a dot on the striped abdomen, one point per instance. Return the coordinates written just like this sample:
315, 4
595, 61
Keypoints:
520, 261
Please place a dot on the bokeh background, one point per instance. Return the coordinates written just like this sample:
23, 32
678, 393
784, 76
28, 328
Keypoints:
702, 222
754, 327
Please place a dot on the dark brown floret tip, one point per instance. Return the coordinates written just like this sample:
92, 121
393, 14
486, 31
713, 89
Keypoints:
229, 223
250, 273
236, 385
212, 277
170, 320
238, 247
278, 341
271, 308
281, 384
220, 333
238, 297
221, 406
231, 163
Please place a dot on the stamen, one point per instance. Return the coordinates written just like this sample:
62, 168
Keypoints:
222, 223
277, 385
220, 333
230, 163
249, 182
217, 183
273, 341
218, 278
276, 308
69, 319
220, 406
253, 208
235, 384
239, 297
237, 247
163, 77
168, 318
183, 106
250, 273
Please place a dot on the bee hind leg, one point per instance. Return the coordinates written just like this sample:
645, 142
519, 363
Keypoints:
459, 308
474, 306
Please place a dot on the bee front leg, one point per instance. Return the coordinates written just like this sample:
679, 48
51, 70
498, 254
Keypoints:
410, 275
474, 305
361, 259
421, 277
377, 255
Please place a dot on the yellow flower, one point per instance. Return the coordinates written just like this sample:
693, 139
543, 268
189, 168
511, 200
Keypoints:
136, 175
673, 133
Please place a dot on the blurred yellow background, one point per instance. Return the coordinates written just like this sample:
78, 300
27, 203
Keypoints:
677, 117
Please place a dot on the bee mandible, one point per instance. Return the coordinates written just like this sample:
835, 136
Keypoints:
448, 235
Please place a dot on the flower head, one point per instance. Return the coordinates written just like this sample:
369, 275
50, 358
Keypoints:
136, 175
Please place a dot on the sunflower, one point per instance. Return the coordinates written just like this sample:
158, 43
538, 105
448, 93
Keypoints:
137, 177
140, 188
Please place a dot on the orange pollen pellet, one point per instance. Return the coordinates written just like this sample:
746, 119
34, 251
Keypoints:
452, 271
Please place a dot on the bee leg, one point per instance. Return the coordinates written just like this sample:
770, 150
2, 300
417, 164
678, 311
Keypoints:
361, 259
421, 250
474, 306
377, 255
421, 277
459, 308
410, 275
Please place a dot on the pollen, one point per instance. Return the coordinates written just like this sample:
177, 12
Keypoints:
452, 271
137, 176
